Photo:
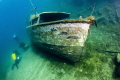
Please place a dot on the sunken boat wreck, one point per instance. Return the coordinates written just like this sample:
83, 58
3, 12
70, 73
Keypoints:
57, 33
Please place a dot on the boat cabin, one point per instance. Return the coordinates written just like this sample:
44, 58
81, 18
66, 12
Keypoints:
48, 17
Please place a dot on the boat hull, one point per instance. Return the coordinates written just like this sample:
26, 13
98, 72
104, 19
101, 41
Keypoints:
70, 53
63, 39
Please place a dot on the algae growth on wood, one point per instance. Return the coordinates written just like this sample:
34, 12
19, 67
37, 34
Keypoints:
57, 33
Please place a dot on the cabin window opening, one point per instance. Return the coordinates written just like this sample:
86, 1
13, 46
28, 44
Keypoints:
47, 17
41, 21
34, 21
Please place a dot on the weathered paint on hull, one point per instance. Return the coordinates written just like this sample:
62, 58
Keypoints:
63, 39
71, 53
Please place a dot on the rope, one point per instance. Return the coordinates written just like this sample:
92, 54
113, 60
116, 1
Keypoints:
88, 9
32, 4
93, 9
34, 9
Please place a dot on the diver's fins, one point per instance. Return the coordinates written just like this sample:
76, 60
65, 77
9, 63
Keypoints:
12, 66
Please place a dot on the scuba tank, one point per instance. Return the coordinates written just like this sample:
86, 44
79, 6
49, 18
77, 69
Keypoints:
14, 56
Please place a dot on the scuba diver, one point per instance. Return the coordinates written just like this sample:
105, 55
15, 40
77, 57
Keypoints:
21, 44
17, 57
16, 39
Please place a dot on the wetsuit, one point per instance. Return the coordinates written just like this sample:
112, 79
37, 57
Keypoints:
17, 61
